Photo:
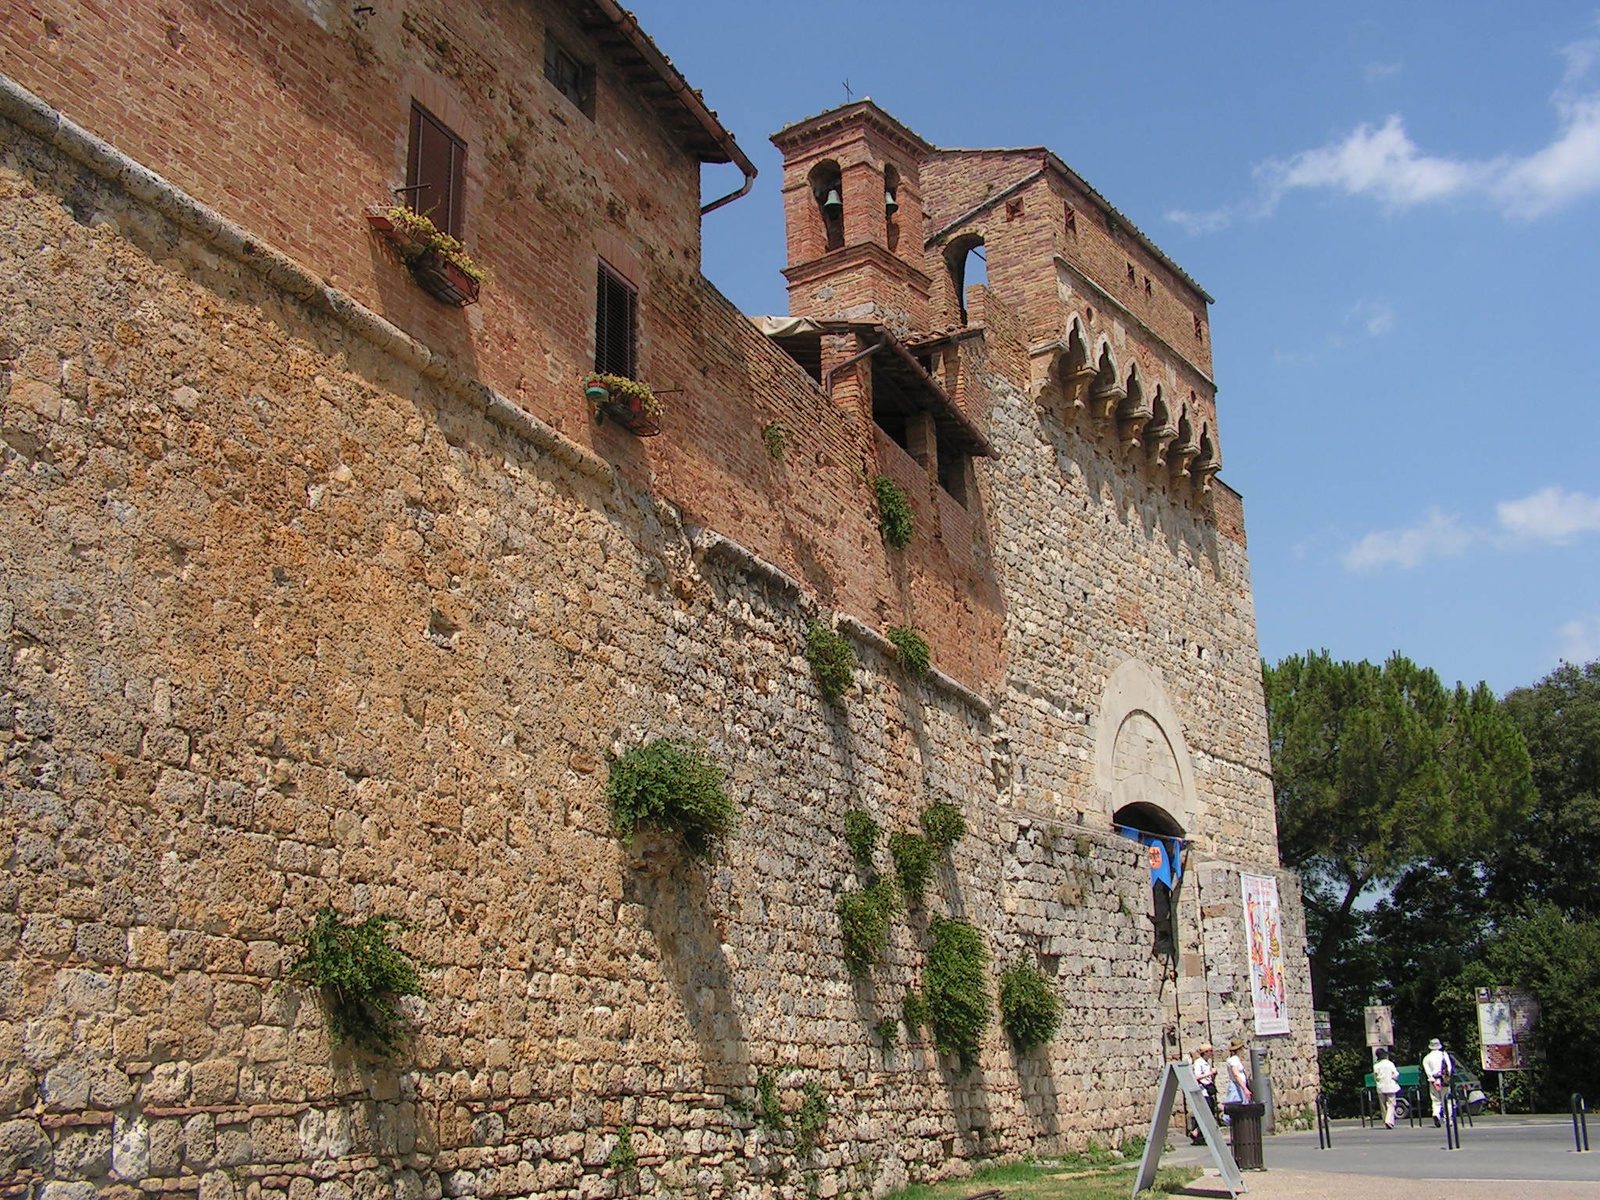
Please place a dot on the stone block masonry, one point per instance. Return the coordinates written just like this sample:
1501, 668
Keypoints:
316, 593
288, 624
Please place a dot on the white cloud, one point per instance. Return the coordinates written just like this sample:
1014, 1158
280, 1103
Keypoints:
1440, 535
1580, 639
1377, 71
1376, 317
1214, 221
1382, 163
1550, 515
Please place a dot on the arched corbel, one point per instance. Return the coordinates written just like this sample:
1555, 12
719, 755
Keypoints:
1106, 392
1075, 370
1134, 411
1160, 430
1207, 462
1184, 448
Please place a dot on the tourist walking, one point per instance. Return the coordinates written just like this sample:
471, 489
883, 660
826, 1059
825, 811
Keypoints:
1206, 1076
1387, 1077
1437, 1068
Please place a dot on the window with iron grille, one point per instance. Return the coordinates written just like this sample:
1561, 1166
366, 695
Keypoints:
436, 164
616, 324
572, 78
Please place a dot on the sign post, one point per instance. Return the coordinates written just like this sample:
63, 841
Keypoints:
1380, 1026
1506, 1017
1179, 1077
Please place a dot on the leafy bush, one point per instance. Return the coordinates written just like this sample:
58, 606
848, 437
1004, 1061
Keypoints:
623, 1158
888, 1031
359, 976
1030, 1010
914, 857
914, 1012
958, 1000
776, 435
769, 1105
861, 835
811, 1118
943, 824
864, 924
670, 785
895, 519
911, 648
832, 660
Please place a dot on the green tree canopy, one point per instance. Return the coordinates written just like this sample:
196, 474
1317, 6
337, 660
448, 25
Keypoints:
1550, 857
1380, 770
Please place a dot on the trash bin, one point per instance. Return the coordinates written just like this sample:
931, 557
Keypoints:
1245, 1122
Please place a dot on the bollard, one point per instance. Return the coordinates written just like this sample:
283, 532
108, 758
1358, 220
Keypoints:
1366, 1107
1324, 1126
1580, 1123
1452, 1123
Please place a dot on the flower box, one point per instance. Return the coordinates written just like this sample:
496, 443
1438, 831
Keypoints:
436, 260
628, 402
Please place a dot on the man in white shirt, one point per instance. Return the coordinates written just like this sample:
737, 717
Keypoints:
1437, 1067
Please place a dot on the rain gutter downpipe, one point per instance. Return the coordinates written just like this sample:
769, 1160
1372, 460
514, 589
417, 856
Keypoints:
827, 387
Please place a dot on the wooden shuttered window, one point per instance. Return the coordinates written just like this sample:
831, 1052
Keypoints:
616, 324
436, 164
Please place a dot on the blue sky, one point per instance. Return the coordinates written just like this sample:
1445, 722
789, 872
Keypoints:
1397, 209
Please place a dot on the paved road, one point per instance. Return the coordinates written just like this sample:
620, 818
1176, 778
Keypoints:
1501, 1158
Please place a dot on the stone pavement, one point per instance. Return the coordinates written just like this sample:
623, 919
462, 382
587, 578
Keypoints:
1504, 1158
1328, 1185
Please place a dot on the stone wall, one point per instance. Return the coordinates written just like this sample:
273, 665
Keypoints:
295, 620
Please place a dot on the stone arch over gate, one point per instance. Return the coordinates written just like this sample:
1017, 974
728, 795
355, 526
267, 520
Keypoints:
1141, 761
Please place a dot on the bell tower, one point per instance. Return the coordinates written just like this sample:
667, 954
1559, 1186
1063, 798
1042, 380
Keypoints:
852, 202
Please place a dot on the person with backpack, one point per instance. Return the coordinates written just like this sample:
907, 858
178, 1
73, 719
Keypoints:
1437, 1068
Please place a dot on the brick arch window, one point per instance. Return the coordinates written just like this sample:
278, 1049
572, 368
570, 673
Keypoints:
436, 167
827, 189
967, 264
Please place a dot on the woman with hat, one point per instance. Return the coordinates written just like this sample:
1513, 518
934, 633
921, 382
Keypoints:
1238, 1082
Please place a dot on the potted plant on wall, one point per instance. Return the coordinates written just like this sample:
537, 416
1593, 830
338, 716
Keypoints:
435, 259
629, 403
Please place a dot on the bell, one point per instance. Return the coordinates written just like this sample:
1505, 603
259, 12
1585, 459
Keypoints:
832, 203
889, 202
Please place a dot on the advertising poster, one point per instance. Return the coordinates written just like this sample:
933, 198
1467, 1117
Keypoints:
1506, 1017
1263, 924
1380, 1026
1322, 1022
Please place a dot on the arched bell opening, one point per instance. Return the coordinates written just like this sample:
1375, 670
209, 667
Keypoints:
827, 189
891, 207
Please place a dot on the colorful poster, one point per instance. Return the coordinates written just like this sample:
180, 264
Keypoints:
1322, 1022
1506, 1017
1263, 923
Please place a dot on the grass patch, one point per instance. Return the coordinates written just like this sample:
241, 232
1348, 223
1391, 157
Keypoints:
1074, 1177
